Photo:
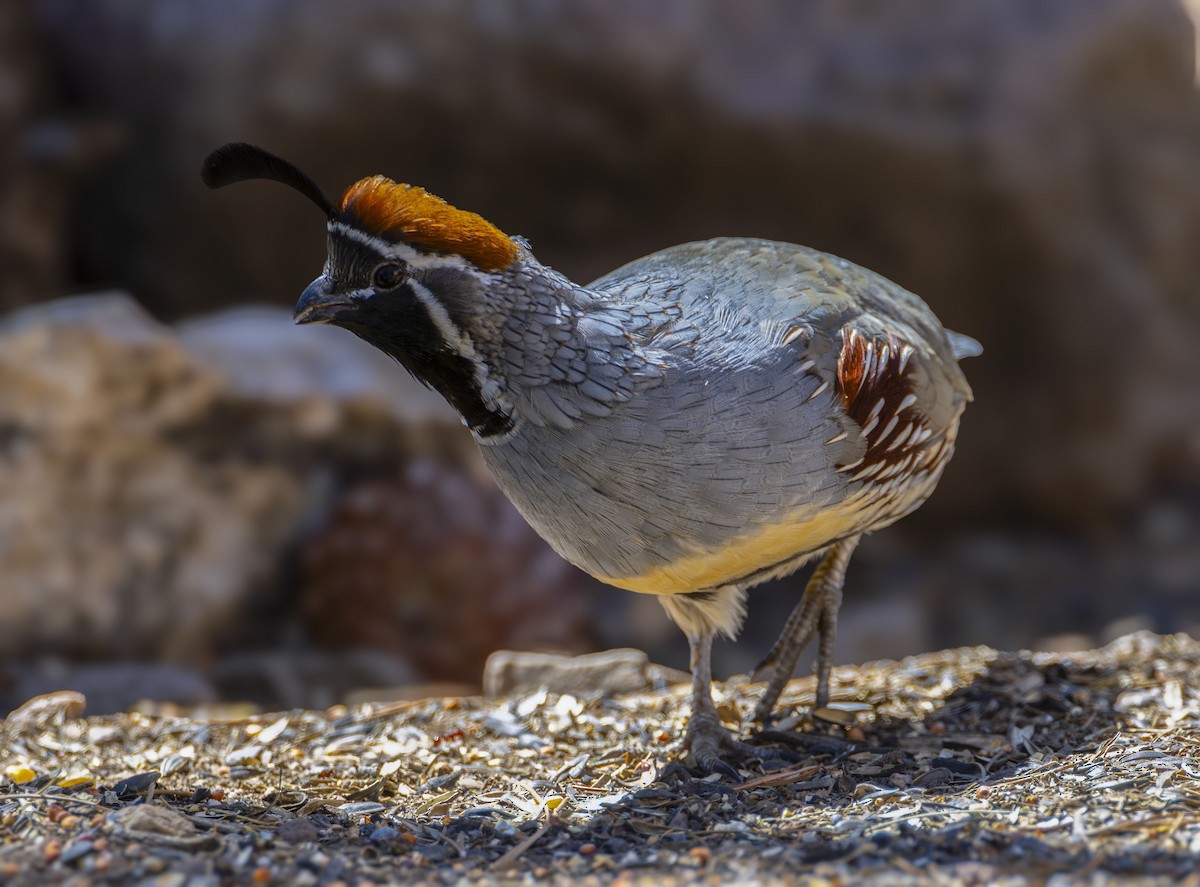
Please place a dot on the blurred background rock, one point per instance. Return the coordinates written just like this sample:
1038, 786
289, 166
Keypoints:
281, 514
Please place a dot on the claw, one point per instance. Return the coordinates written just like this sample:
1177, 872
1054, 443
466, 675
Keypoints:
760, 671
706, 742
710, 748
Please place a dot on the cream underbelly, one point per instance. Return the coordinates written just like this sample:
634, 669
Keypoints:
747, 554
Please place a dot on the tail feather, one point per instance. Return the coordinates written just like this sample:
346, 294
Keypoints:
963, 346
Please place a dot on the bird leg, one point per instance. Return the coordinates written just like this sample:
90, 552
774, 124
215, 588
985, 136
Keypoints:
706, 738
707, 744
815, 614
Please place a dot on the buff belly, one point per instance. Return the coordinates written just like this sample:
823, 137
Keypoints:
785, 545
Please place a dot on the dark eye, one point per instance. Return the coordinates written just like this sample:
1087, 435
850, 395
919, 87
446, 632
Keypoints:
389, 275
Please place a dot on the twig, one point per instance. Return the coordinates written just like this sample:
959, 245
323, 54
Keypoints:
782, 777
515, 853
34, 796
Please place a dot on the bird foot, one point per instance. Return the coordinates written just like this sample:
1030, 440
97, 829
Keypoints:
708, 747
708, 744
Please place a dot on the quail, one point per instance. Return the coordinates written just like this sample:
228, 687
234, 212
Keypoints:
692, 424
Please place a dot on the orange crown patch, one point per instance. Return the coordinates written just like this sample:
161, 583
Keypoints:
404, 212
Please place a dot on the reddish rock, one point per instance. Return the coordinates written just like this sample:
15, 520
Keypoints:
438, 567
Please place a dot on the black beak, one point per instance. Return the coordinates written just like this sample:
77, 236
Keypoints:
318, 305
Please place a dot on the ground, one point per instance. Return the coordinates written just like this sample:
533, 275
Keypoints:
967, 765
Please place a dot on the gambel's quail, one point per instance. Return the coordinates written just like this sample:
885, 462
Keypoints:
694, 423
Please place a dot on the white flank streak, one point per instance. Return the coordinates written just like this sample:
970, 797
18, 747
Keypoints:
820, 388
837, 439
891, 471
793, 334
877, 409
901, 437
807, 365
867, 471
909, 400
887, 429
867, 428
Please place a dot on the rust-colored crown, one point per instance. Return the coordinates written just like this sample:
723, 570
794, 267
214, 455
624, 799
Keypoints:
395, 211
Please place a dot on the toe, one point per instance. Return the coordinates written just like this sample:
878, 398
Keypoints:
708, 744
764, 714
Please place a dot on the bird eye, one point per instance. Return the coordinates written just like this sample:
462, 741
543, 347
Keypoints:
389, 275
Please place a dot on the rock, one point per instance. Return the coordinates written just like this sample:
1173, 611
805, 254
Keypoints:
297, 831
113, 537
438, 567
266, 358
510, 673
47, 710
148, 490
149, 819
384, 834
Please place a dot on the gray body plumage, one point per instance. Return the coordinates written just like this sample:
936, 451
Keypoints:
717, 422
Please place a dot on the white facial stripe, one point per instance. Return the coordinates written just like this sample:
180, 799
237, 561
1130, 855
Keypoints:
489, 389
401, 251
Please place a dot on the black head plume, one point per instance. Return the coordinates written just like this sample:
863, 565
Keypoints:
240, 162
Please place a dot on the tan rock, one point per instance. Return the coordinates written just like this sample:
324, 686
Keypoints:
510, 673
146, 494
47, 710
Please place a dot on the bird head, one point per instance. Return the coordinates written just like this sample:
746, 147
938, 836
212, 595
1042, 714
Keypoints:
406, 271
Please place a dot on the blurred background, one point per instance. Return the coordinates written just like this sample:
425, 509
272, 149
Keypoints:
199, 501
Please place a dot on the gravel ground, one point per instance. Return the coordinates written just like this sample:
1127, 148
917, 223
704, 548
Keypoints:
964, 766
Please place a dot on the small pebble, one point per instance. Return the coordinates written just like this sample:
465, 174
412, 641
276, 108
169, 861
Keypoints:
385, 834
297, 831
587, 849
76, 850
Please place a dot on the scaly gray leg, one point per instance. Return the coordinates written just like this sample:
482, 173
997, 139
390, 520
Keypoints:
706, 738
815, 614
707, 744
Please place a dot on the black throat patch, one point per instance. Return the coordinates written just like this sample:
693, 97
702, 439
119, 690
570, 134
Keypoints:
400, 324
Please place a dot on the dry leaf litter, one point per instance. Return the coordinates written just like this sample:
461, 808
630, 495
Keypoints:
961, 766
